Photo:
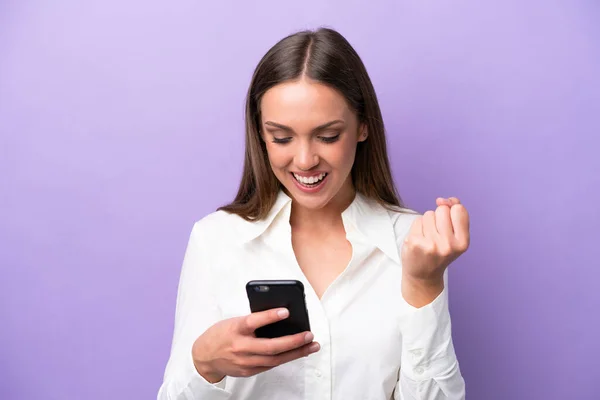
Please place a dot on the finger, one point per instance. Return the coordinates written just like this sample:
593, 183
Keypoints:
273, 361
429, 228
252, 322
440, 201
444, 222
460, 223
450, 201
251, 371
454, 201
271, 347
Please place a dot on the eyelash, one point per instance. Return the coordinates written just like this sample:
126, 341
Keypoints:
324, 139
330, 139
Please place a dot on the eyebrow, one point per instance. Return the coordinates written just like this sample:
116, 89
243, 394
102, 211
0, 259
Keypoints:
317, 129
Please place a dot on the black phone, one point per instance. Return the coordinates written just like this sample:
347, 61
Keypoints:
267, 294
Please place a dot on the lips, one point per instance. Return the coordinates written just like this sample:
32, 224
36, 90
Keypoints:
310, 180
310, 184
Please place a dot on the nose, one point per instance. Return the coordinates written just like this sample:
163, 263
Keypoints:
306, 158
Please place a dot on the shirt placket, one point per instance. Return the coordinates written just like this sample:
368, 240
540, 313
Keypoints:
318, 378
317, 366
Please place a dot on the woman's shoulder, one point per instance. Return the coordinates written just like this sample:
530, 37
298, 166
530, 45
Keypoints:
219, 226
402, 219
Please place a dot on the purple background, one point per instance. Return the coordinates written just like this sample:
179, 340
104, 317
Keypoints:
121, 124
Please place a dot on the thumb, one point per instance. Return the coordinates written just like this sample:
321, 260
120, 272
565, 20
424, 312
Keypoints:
252, 322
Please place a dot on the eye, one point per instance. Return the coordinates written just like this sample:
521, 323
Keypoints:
282, 140
329, 139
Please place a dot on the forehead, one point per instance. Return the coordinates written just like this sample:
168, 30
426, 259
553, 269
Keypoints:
304, 103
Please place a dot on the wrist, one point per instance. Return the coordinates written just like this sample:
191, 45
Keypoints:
420, 292
207, 373
203, 366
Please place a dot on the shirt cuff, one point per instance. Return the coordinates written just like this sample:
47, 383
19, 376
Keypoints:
427, 348
199, 388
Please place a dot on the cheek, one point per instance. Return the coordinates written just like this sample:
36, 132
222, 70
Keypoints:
278, 156
341, 157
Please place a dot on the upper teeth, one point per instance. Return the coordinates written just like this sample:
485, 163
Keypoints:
310, 180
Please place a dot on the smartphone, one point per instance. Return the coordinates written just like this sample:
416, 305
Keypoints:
267, 294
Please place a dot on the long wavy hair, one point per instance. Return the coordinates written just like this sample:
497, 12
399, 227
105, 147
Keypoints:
323, 56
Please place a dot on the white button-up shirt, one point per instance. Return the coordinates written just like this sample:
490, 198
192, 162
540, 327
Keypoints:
374, 345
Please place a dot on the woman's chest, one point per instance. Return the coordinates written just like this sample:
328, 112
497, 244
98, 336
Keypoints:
363, 299
322, 260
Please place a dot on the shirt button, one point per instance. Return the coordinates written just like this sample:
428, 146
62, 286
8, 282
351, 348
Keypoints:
417, 353
419, 370
318, 373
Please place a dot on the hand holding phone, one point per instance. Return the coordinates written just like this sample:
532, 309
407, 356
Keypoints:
230, 347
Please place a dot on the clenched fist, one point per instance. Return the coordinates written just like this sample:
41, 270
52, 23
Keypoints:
434, 241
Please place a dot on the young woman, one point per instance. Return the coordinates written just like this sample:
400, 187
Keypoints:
317, 203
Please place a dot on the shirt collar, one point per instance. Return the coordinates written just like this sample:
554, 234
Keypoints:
370, 219
373, 222
256, 228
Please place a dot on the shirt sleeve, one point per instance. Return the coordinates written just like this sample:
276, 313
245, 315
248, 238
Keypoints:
196, 310
429, 367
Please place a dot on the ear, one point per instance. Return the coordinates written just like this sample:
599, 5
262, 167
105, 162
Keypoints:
362, 136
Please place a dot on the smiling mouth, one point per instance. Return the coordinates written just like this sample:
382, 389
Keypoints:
310, 182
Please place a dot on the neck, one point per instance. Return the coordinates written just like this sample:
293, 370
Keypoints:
330, 215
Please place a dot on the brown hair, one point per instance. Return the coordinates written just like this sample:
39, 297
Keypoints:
324, 56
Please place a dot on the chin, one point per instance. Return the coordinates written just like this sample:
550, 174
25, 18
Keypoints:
311, 202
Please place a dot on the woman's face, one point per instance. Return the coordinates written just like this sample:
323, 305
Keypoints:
311, 136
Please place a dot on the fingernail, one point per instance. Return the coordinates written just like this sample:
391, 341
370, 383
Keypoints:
283, 313
309, 337
314, 347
